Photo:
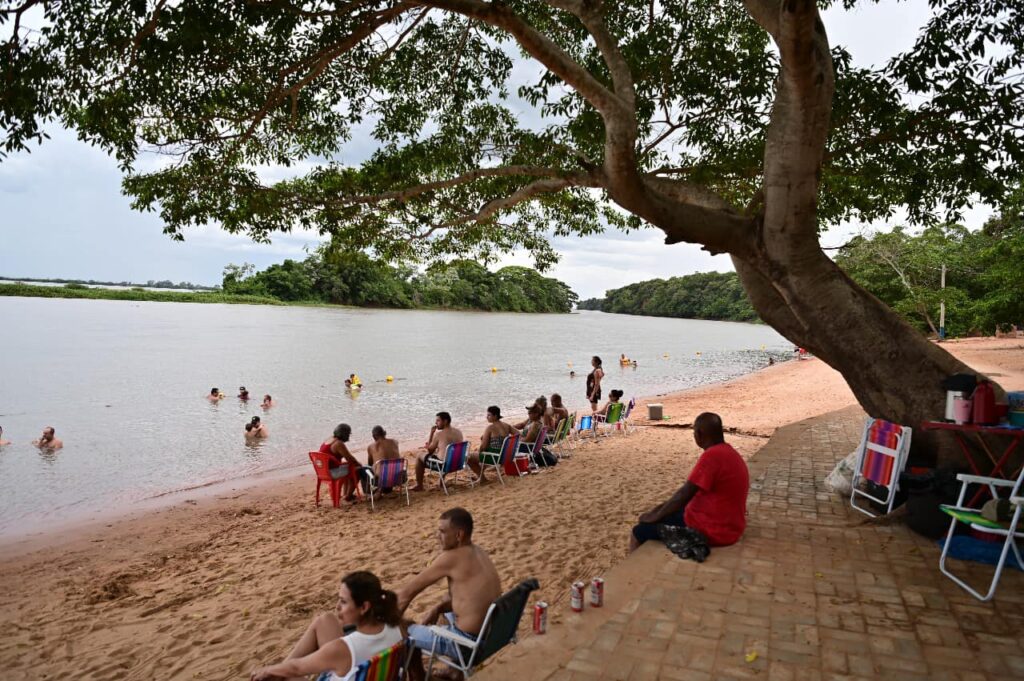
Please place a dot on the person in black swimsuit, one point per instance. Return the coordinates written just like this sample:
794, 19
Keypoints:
594, 383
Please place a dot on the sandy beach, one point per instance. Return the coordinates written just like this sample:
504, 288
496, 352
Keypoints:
214, 586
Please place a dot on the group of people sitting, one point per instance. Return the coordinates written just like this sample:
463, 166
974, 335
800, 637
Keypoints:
369, 619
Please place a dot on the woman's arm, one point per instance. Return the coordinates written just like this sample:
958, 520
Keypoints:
332, 656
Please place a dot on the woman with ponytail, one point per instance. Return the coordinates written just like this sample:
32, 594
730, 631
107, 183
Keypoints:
327, 650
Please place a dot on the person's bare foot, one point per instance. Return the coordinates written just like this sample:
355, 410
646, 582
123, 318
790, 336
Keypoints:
417, 488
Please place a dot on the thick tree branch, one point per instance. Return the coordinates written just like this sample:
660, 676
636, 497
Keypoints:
465, 178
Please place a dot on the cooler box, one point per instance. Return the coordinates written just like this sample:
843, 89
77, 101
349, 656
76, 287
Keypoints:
517, 466
655, 412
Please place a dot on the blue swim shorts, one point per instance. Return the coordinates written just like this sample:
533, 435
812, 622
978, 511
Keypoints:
423, 638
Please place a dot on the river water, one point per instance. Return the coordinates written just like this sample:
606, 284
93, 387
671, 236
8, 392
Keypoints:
124, 385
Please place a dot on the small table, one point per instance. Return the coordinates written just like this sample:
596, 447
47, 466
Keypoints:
960, 430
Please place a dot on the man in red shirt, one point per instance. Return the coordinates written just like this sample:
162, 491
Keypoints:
714, 499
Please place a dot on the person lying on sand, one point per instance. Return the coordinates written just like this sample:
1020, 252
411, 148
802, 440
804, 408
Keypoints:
473, 583
47, 440
714, 499
383, 448
491, 440
441, 435
326, 649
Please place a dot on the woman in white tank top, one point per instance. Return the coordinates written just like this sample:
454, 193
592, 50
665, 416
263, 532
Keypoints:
326, 650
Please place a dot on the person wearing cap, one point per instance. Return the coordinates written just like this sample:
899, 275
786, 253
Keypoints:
243, 394
490, 442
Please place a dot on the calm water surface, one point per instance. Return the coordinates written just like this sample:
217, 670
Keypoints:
124, 384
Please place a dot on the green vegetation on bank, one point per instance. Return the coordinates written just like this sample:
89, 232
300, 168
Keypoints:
152, 283
984, 272
705, 295
81, 291
353, 278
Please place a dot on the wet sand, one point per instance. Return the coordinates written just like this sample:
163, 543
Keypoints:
214, 586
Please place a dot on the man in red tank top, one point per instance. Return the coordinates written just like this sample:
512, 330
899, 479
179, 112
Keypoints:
714, 499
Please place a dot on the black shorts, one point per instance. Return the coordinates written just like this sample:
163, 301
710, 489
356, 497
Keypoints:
596, 398
647, 531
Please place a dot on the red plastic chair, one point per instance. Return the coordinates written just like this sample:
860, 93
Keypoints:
322, 464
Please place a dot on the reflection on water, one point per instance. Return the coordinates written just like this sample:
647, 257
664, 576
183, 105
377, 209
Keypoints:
125, 383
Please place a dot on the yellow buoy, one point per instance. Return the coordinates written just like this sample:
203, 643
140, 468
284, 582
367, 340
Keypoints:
390, 379
665, 355
494, 370
698, 353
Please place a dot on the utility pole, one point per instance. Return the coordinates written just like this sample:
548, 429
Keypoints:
942, 307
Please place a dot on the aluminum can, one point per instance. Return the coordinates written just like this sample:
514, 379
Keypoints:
576, 596
540, 618
596, 592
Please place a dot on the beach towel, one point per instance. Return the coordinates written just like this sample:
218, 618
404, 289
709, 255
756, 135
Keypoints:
685, 542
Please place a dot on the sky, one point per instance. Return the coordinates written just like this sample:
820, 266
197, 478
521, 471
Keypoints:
62, 214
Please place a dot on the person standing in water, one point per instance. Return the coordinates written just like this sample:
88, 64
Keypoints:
215, 395
594, 383
2, 440
268, 402
48, 441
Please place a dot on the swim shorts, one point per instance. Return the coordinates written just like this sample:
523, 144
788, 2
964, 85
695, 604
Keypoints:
423, 638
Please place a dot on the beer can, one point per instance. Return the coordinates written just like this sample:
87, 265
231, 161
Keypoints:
596, 592
576, 596
540, 618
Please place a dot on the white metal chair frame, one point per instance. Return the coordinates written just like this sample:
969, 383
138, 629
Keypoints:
372, 486
497, 463
899, 453
438, 466
1012, 532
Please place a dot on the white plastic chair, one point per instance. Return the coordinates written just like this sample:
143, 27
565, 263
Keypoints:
880, 460
1011, 531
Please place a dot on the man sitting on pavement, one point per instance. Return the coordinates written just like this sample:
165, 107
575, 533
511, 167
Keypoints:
473, 584
441, 435
714, 499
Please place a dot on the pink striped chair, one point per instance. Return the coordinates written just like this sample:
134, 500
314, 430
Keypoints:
880, 460
389, 474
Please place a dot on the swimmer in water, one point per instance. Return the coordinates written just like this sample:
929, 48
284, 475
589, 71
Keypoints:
215, 395
48, 441
243, 394
2, 440
268, 402
258, 429
354, 380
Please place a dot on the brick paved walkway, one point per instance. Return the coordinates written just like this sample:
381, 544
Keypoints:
811, 592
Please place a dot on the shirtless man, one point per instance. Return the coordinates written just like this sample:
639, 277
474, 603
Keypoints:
491, 441
441, 435
258, 429
558, 410
48, 441
473, 584
2, 440
215, 395
383, 448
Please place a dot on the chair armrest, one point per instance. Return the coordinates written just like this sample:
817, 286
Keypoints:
452, 636
982, 480
1017, 500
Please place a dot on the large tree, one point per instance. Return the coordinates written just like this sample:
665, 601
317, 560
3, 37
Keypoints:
496, 124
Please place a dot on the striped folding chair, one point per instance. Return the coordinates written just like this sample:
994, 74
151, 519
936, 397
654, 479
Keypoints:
499, 459
555, 440
386, 665
534, 450
390, 473
881, 457
454, 462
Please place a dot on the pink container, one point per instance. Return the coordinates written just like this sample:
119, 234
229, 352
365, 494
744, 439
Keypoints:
962, 409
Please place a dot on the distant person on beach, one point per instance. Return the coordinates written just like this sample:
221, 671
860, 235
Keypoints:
531, 431
714, 499
441, 435
243, 394
613, 398
268, 402
215, 395
558, 410
348, 465
594, 382
2, 440
473, 583
541, 402
326, 648
383, 448
493, 437
47, 440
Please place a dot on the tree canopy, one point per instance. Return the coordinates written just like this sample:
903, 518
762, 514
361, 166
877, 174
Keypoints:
705, 295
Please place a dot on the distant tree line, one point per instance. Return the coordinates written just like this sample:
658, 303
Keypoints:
152, 283
354, 278
984, 272
705, 295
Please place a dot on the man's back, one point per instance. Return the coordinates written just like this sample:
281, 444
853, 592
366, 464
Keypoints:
473, 583
719, 508
445, 437
384, 449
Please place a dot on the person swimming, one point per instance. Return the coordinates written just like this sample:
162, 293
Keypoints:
268, 402
243, 394
215, 395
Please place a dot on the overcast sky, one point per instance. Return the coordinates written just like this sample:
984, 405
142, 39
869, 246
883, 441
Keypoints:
63, 215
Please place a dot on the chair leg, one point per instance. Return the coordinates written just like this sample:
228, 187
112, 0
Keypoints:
318, 481
1010, 541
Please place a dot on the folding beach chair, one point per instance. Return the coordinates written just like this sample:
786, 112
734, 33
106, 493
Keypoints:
880, 459
1010, 531
498, 630
386, 665
535, 449
627, 425
610, 420
390, 473
454, 462
556, 439
499, 459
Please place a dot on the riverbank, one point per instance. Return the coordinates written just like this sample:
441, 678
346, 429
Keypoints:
97, 293
213, 586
